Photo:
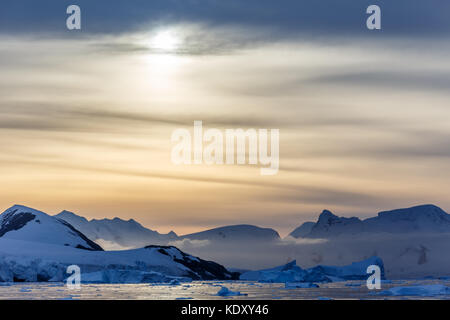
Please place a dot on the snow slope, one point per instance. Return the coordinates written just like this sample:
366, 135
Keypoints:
27, 224
425, 218
116, 233
235, 233
33, 261
303, 230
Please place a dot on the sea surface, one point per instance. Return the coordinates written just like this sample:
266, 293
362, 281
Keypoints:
207, 290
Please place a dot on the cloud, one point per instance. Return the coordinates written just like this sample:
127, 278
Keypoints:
328, 197
85, 119
187, 244
70, 117
111, 245
402, 254
389, 80
300, 241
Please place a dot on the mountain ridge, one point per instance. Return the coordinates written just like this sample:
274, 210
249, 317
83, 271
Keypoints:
37, 247
124, 233
234, 232
131, 234
421, 218
109, 232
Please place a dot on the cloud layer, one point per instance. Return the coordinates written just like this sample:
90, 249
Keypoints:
86, 118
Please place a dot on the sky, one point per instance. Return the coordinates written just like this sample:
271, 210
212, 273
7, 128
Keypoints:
86, 116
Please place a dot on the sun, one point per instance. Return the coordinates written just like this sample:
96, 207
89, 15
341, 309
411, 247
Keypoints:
165, 41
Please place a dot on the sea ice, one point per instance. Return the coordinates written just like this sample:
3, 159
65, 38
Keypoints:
423, 291
225, 292
293, 273
296, 285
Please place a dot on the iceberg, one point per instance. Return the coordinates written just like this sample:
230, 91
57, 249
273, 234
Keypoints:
225, 292
292, 273
286, 273
354, 271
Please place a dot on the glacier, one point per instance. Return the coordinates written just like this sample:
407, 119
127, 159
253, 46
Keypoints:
22, 261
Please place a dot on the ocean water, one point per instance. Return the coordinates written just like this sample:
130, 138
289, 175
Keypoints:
207, 290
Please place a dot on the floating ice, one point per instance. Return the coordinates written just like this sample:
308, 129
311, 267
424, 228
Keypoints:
423, 291
296, 285
293, 273
225, 292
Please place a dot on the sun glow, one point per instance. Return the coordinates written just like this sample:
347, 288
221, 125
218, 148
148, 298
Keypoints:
165, 41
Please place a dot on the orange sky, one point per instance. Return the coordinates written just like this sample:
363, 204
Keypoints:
86, 125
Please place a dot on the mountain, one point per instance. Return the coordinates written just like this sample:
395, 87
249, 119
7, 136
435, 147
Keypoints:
116, 233
241, 232
303, 230
424, 218
37, 247
329, 224
27, 224
418, 219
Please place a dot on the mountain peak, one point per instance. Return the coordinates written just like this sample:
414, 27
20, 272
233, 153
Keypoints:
65, 212
172, 234
422, 218
328, 218
27, 224
20, 207
328, 222
327, 214
21, 210
70, 215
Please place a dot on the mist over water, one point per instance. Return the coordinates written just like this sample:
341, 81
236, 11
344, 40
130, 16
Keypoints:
404, 255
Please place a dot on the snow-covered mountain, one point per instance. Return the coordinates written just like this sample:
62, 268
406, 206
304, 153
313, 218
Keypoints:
329, 224
37, 247
116, 233
241, 232
425, 218
34, 261
418, 219
27, 224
